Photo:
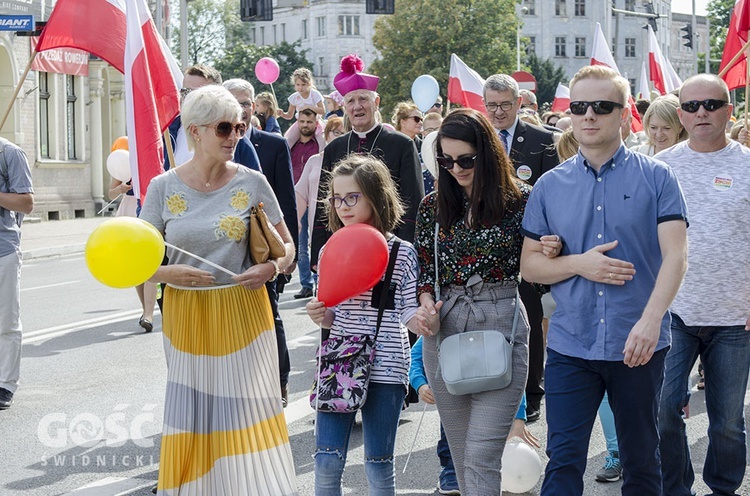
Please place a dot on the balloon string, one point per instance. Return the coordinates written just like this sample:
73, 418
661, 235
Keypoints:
215, 266
108, 204
274, 93
416, 435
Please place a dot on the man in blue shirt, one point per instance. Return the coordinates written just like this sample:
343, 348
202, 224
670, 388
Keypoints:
622, 219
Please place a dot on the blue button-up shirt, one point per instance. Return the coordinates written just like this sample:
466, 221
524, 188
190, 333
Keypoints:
625, 201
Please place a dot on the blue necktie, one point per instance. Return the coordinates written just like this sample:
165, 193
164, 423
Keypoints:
504, 134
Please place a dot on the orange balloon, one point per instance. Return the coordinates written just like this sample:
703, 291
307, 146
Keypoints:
120, 143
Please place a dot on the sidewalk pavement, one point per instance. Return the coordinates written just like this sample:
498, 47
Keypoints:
55, 238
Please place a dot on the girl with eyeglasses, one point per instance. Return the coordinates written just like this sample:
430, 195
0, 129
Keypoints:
475, 214
222, 398
361, 190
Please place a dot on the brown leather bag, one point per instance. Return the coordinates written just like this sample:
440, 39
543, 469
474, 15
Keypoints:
265, 241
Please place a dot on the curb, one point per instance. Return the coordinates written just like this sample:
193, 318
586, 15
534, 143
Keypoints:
53, 251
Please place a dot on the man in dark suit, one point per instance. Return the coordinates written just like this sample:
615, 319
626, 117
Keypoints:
276, 164
532, 150
529, 102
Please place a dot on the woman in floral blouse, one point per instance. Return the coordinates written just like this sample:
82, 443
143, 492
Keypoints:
223, 421
478, 207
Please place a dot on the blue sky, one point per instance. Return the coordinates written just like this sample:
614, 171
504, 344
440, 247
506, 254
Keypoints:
686, 6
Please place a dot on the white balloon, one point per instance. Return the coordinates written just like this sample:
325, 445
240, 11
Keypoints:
118, 165
522, 468
425, 91
429, 152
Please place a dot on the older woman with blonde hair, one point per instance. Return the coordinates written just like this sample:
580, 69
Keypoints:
223, 420
662, 126
407, 118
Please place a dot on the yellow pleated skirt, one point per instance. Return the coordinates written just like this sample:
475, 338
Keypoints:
224, 427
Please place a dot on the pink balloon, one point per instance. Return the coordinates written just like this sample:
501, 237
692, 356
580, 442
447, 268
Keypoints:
353, 261
267, 70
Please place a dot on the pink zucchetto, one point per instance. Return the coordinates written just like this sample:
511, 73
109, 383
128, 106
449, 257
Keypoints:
351, 77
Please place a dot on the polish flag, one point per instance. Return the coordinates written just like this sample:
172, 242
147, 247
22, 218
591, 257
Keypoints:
644, 92
736, 39
152, 99
561, 103
465, 86
676, 81
601, 54
657, 65
152, 75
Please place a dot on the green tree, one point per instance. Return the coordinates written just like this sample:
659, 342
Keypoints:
547, 75
212, 26
420, 37
719, 13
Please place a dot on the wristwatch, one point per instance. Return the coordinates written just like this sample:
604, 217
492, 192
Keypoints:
276, 268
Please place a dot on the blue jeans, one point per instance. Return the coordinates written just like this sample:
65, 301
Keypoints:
444, 452
380, 415
574, 389
303, 257
725, 353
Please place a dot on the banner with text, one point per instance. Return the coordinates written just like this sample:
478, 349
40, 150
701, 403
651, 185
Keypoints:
61, 60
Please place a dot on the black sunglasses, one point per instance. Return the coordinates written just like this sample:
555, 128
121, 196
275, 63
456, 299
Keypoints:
437, 105
463, 162
416, 118
710, 105
601, 107
224, 129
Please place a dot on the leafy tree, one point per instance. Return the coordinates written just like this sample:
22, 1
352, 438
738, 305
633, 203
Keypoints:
239, 62
547, 75
212, 25
719, 14
420, 37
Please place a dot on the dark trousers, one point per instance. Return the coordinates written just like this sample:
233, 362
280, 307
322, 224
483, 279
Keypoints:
284, 364
575, 388
532, 301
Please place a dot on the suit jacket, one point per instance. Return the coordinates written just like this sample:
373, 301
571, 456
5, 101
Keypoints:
276, 164
533, 152
399, 153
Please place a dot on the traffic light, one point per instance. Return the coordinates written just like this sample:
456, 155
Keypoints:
651, 20
688, 36
256, 10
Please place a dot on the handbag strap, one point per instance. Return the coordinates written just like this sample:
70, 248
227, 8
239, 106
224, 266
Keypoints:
387, 283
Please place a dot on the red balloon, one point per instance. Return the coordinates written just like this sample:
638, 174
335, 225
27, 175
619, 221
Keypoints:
353, 261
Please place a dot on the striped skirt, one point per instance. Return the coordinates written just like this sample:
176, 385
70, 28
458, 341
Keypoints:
224, 427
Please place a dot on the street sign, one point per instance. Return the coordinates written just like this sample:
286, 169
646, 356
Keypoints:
526, 80
16, 23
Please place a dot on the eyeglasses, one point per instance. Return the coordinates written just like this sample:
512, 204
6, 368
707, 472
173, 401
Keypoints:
224, 129
184, 91
416, 118
710, 105
504, 106
601, 107
337, 132
349, 200
437, 105
463, 162
246, 104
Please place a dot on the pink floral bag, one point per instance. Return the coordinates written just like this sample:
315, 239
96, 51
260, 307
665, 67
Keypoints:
344, 362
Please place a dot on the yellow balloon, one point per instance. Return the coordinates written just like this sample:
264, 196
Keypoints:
120, 143
124, 252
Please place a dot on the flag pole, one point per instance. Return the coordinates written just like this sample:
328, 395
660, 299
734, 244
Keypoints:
18, 90
170, 151
747, 92
734, 59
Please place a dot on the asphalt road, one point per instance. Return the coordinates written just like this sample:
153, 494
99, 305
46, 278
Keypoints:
87, 418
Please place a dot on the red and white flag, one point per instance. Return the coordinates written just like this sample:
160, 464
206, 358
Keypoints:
601, 54
152, 97
644, 92
561, 103
657, 65
676, 81
465, 86
122, 33
737, 36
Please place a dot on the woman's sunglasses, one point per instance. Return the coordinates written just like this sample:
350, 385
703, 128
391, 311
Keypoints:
416, 118
710, 105
601, 107
224, 129
463, 162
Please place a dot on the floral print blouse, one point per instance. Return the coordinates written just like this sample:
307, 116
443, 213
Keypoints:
494, 252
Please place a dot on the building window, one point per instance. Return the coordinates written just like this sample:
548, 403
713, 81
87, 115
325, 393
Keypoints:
70, 114
630, 47
321, 66
632, 86
321, 24
580, 8
530, 7
560, 7
283, 32
531, 47
44, 97
580, 46
262, 35
252, 36
630, 5
304, 29
348, 25
274, 34
560, 46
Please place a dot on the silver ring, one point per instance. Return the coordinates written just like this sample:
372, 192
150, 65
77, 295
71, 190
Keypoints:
610, 276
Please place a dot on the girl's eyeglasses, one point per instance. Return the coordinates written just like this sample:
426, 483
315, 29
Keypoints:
463, 162
224, 129
349, 200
